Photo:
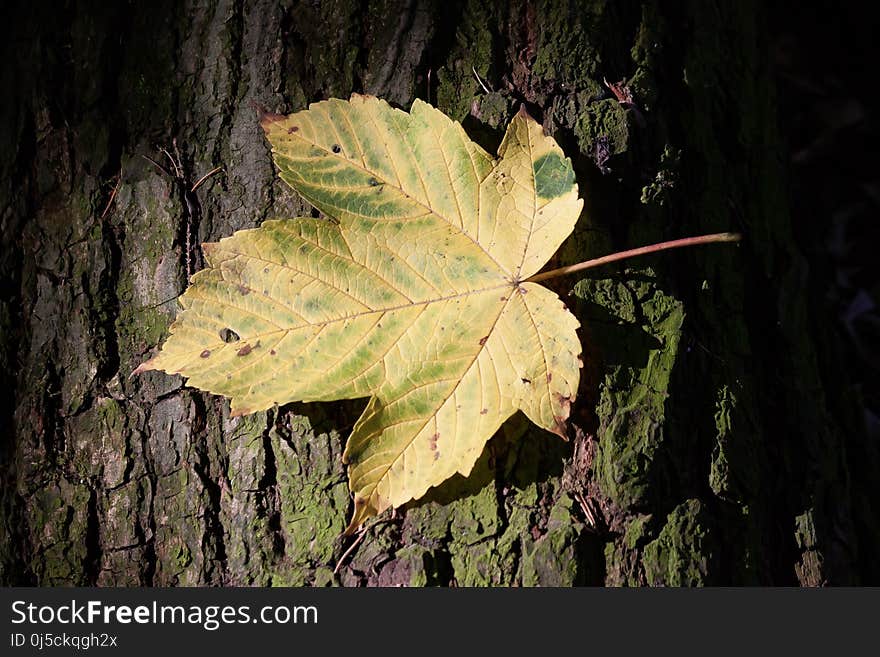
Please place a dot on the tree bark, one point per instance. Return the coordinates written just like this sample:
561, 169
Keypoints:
713, 440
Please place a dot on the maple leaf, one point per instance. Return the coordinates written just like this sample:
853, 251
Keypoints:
414, 294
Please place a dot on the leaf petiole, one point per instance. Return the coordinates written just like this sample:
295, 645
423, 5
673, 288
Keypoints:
642, 250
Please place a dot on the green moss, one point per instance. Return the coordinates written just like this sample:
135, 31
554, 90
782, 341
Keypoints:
636, 531
647, 53
552, 559
645, 337
313, 494
457, 86
603, 119
733, 475
182, 557
685, 551
58, 520
567, 36
495, 110
149, 276
657, 192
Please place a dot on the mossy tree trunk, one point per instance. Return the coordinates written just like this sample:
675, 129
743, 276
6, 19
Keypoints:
713, 440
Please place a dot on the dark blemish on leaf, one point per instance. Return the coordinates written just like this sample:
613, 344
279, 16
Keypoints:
228, 377
525, 380
483, 340
265, 270
292, 129
243, 291
432, 443
205, 353
374, 182
563, 400
335, 148
504, 298
244, 351
549, 377
553, 175
484, 411
272, 352
228, 335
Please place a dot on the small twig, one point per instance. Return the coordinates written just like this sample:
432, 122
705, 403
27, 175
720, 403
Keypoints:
588, 513
205, 177
157, 165
112, 194
362, 534
177, 164
477, 75
357, 541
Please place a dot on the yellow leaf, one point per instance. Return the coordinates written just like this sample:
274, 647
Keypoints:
414, 294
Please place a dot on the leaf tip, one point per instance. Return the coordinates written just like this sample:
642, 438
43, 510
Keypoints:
238, 411
362, 510
267, 119
560, 428
523, 113
146, 366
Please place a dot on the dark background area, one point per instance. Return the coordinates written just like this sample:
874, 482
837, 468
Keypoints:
828, 116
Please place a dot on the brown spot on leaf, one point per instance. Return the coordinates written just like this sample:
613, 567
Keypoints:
292, 129
335, 148
525, 380
549, 377
484, 411
245, 350
432, 443
205, 353
272, 352
564, 401
243, 291
483, 340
